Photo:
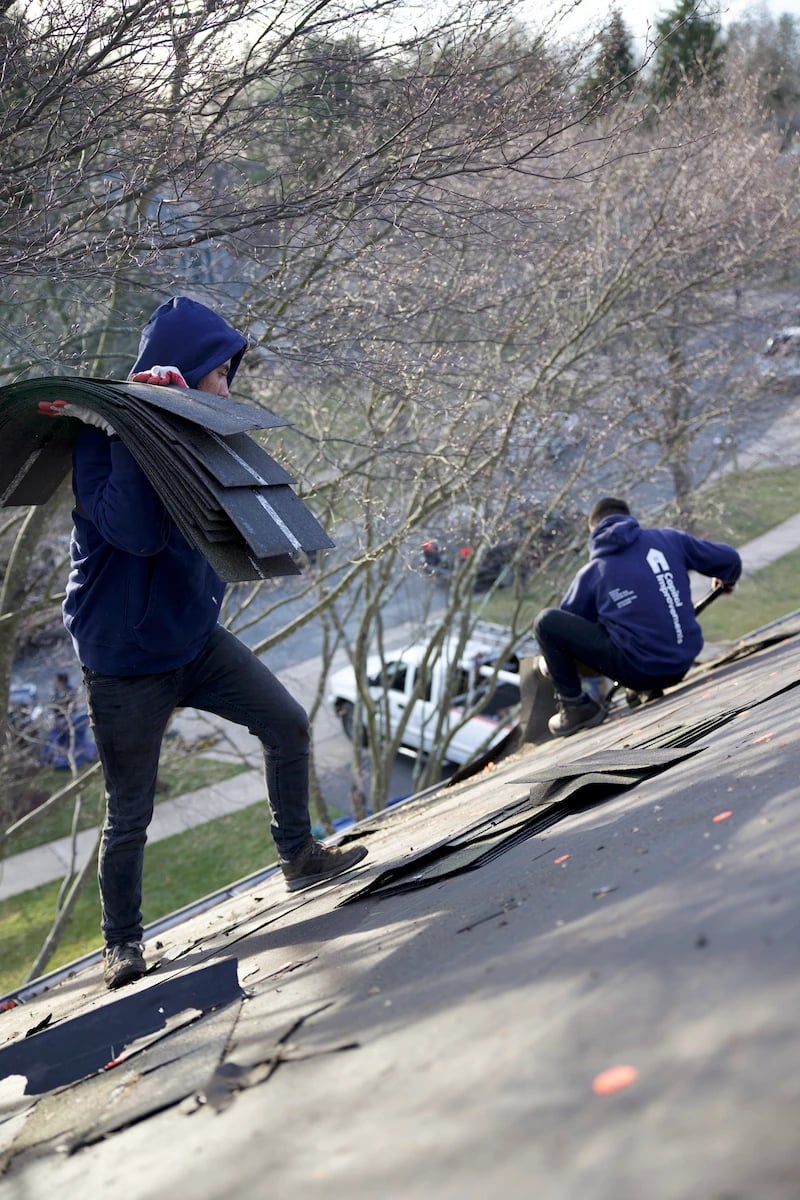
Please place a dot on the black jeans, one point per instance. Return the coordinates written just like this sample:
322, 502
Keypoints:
566, 639
129, 716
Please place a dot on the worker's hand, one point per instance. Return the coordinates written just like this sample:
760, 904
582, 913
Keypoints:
727, 588
62, 408
162, 376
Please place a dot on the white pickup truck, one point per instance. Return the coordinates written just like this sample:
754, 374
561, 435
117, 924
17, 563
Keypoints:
462, 698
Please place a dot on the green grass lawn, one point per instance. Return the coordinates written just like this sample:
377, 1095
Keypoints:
178, 871
737, 509
177, 775
744, 504
758, 600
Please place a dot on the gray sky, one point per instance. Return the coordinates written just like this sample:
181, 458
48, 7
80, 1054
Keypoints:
640, 15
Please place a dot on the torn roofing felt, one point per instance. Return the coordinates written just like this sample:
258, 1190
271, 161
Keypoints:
554, 793
770, 635
228, 497
57, 1055
761, 688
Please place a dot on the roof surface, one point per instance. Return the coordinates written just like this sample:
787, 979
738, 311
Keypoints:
573, 975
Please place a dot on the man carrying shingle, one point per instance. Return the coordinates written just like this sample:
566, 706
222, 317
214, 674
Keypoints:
628, 613
142, 608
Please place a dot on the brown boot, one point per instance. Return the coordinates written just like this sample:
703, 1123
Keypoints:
574, 715
123, 963
318, 862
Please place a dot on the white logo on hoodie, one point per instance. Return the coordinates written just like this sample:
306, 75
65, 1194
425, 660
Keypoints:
659, 565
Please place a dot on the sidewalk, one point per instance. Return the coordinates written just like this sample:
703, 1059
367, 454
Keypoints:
44, 864
771, 545
759, 553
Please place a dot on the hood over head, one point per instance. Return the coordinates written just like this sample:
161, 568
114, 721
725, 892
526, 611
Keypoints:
184, 333
614, 533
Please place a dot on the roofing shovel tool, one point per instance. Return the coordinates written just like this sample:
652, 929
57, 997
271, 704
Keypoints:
710, 595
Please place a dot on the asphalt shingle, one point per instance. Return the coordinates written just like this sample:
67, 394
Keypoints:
228, 497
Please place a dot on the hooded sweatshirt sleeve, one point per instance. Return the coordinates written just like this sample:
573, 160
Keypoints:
139, 598
712, 558
114, 492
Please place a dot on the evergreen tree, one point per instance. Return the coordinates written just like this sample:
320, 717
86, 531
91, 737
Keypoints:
613, 70
690, 48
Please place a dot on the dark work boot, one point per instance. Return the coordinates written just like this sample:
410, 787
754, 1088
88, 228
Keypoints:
574, 715
317, 863
123, 963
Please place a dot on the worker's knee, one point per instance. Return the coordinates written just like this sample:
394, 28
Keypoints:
544, 621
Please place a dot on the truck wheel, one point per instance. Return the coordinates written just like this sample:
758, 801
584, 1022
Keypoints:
346, 710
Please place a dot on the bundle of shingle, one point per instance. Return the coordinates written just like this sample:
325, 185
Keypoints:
230, 500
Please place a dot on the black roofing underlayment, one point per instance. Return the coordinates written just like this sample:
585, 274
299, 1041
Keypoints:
59, 1055
173, 1047
228, 497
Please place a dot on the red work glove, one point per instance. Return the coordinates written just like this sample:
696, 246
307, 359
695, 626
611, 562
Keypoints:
163, 376
62, 408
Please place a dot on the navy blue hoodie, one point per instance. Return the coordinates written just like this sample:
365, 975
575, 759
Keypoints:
636, 584
139, 598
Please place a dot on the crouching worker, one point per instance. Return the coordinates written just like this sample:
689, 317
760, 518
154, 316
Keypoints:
628, 613
142, 608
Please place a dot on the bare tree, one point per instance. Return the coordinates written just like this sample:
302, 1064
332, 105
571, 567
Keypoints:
768, 49
682, 232
608, 291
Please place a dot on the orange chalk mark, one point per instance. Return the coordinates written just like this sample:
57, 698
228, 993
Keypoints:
614, 1079
562, 858
723, 816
